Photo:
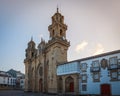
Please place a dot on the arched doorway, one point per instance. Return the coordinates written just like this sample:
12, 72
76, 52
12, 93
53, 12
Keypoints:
60, 84
69, 84
105, 90
40, 85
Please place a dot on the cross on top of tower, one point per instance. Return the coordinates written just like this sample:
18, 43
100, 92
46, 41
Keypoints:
31, 38
57, 9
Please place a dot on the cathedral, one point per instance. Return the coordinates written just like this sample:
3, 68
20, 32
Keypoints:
47, 69
41, 63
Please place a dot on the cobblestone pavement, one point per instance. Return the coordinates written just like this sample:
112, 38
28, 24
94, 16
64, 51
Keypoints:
21, 93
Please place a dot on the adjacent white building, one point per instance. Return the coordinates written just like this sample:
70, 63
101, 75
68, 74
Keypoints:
19, 78
98, 75
22, 83
6, 80
12, 79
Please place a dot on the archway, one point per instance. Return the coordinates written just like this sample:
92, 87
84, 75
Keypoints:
69, 84
40, 85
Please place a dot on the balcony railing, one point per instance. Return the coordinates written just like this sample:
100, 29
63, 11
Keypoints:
113, 66
94, 69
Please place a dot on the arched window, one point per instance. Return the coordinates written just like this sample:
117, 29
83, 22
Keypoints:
61, 20
41, 71
53, 33
32, 54
61, 32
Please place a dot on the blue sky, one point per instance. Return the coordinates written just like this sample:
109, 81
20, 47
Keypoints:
93, 27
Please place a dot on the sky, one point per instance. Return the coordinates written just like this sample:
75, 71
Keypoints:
93, 27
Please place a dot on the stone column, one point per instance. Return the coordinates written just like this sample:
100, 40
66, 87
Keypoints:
63, 84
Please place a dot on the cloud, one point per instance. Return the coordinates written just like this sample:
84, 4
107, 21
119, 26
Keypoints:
99, 49
81, 46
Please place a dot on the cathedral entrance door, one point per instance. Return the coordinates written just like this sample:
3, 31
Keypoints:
71, 87
40, 85
69, 84
105, 90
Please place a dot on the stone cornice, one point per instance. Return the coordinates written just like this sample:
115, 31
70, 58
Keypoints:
57, 40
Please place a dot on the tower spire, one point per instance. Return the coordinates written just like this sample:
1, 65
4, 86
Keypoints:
57, 9
31, 38
41, 39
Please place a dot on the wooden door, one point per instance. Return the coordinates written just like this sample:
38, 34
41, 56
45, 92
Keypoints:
105, 90
71, 87
40, 85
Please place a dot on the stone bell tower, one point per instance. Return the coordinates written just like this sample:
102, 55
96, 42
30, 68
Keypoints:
56, 49
30, 55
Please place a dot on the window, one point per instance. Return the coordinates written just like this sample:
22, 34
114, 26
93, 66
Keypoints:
95, 66
96, 77
84, 78
21, 81
32, 54
41, 71
26, 55
113, 60
84, 87
61, 32
53, 32
113, 63
114, 75
95, 63
8, 80
61, 20
83, 66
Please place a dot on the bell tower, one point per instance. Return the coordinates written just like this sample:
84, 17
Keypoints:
56, 50
57, 29
31, 52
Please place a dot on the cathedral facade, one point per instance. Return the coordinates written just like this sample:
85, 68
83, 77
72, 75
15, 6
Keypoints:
41, 62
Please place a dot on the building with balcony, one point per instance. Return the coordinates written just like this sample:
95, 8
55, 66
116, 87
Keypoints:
99, 75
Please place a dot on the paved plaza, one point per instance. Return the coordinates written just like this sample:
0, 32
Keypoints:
20, 93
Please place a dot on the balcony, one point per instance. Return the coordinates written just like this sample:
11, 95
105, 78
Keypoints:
94, 69
113, 66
